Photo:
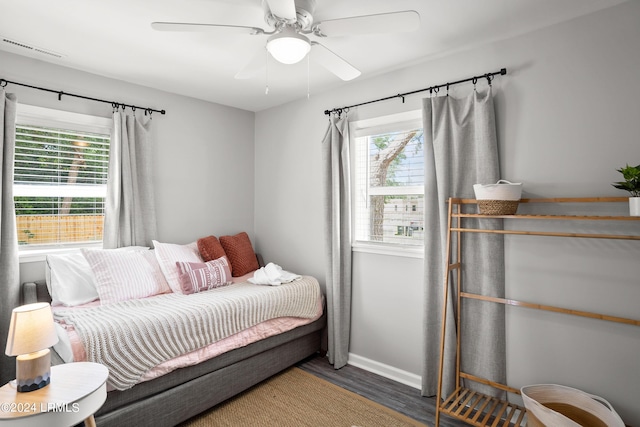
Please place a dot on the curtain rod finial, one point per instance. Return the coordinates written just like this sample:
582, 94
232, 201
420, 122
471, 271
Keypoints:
503, 71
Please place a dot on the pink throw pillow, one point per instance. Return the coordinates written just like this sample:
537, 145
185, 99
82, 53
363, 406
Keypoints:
203, 276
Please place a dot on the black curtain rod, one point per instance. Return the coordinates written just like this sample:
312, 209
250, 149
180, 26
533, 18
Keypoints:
3, 83
488, 76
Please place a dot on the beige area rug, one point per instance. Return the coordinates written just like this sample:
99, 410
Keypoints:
295, 398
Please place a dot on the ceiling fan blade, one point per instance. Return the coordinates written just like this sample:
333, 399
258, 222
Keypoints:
332, 62
255, 65
194, 27
408, 20
285, 9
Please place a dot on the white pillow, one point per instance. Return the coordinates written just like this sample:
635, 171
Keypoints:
70, 279
168, 254
125, 275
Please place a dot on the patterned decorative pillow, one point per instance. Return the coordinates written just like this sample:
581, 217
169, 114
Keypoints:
240, 253
210, 248
202, 276
168, 254
125, 275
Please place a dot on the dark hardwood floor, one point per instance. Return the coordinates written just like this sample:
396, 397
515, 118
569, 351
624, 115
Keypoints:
394, 395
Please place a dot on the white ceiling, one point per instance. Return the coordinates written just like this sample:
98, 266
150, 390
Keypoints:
113, 38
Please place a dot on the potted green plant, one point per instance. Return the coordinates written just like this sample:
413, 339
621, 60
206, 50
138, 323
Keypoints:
631, 183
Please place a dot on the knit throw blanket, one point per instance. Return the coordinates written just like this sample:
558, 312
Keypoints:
131, 337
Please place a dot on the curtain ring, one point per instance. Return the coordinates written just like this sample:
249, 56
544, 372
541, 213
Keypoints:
474, 80
489, 78
447, 89
3, 83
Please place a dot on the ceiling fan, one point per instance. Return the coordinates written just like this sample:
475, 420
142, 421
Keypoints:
291, 21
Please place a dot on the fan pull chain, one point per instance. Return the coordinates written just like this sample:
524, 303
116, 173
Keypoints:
266, 83
308, 77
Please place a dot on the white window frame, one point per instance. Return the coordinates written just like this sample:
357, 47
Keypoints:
375, 126
48, 117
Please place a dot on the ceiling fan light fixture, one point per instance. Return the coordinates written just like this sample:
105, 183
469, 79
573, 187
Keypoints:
288, 46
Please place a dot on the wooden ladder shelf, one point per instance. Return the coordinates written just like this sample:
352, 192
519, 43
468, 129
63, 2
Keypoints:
470, 406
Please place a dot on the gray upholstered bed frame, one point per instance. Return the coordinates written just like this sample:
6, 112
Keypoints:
185, 392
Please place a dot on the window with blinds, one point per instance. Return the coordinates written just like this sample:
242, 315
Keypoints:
389, 183
60, 177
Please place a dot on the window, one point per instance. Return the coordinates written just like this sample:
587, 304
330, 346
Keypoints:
388, 181
60, 177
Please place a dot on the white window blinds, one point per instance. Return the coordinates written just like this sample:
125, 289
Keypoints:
60, 177
389, 184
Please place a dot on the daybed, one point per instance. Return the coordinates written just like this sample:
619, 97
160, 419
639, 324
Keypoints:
182, 393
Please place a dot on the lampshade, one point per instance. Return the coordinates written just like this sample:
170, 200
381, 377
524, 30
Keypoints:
31, 329
288, 46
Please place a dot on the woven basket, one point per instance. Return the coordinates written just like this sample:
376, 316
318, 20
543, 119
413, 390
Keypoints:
501, 190
553, 405
498, 207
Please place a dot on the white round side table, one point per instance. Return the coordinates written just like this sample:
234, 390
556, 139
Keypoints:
76, 392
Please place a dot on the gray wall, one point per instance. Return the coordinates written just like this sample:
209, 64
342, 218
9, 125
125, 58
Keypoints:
203, 159
568, 116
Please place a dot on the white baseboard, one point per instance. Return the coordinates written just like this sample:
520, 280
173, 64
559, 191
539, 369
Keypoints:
403, 377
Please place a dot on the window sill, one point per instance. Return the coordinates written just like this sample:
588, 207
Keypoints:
40, 254
389, 249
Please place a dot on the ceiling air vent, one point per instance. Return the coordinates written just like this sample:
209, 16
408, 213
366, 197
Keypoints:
31, 48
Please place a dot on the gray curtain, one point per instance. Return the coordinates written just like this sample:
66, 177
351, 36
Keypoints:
9, 264
461, 150
337, 213
130, 217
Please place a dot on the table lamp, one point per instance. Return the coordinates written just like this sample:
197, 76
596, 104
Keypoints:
31, 333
